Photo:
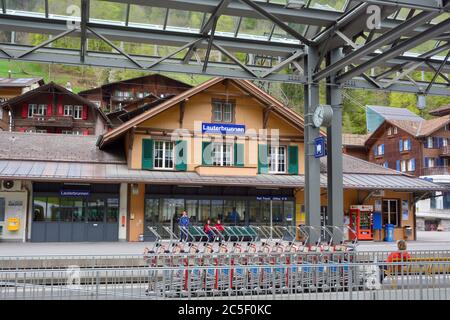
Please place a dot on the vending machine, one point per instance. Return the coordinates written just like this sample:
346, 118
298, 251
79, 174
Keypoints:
361, 221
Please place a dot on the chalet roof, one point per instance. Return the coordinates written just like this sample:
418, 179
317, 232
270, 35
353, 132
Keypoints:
418, 129
19, 82
354, 140
277, 107
441, 111
47, 88
154, 77
125, 116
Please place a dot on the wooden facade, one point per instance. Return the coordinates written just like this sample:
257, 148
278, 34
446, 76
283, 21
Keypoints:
117, 95
54, 109
385, 148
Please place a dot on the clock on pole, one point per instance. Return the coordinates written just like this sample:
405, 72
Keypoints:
322, 116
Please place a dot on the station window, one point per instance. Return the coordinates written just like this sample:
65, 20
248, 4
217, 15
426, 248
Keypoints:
163, 155
222, 154
277, 159
390, 212
222, 111
395, 130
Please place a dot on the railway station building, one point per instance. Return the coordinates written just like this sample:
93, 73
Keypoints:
222, 150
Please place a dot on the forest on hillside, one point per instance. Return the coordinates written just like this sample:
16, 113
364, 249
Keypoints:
87, 77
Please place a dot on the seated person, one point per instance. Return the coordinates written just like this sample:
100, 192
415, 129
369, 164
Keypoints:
219, 226
207, 229
395, 257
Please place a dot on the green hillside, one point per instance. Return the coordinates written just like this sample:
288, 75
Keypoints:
88, 77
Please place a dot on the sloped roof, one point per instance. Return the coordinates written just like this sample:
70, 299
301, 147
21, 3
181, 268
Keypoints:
392, 113
418, 129
357, 140
352, 164
432, 125
55, 147
19, 82
278, 108
48, 88
150, 76
441, 111
120, 173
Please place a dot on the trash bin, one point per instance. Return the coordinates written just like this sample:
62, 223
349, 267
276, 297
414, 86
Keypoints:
389, 232
407, 231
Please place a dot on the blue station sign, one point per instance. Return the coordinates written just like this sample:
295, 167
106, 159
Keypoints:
275, 198
75, 193
320, 148
220, 128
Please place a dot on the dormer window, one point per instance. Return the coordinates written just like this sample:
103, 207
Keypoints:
395, 130
222, 111
389, 131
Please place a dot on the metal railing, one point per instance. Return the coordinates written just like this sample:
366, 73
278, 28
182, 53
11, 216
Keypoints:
287, 271
441, 170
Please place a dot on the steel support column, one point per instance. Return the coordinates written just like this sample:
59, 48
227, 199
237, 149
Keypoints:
335, 210
312, 164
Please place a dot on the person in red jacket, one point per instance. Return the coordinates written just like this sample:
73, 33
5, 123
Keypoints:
219, 226
207, 229
396, 257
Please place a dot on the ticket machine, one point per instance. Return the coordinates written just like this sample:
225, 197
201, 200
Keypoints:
361, 221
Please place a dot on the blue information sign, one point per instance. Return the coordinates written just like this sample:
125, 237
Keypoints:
272, 198
75, 193
320, 149
223, 128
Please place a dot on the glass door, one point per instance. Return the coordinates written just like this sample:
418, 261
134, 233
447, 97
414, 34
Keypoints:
170, 212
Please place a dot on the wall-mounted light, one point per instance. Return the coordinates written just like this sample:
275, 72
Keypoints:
134, 189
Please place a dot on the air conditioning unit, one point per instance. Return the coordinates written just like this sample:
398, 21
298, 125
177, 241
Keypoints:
10, 185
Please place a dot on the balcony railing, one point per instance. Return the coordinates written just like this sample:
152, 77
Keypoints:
52, 121
443, 170
445, 151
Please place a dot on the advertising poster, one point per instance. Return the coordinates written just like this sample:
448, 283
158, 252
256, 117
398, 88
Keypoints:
405, 212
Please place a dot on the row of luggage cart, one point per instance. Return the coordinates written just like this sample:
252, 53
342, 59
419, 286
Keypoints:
259, 266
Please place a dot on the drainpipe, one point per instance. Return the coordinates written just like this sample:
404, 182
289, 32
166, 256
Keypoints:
27, 209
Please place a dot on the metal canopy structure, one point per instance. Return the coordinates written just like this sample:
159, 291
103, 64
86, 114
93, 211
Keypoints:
385, 43
389, 45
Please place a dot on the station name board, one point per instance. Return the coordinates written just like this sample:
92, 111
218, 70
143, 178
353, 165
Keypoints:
75, 193
223, 128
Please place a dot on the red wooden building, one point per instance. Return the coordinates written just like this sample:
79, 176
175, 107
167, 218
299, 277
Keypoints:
54, 109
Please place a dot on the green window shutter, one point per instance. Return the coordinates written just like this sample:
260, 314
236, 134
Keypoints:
239, 154
206, 158
181, 155
293, 159
263, 161
147, 154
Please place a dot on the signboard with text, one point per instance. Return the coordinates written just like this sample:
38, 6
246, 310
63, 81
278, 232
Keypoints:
75, 193
219, 128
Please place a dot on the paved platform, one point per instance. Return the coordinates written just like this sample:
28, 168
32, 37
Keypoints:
426, 241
